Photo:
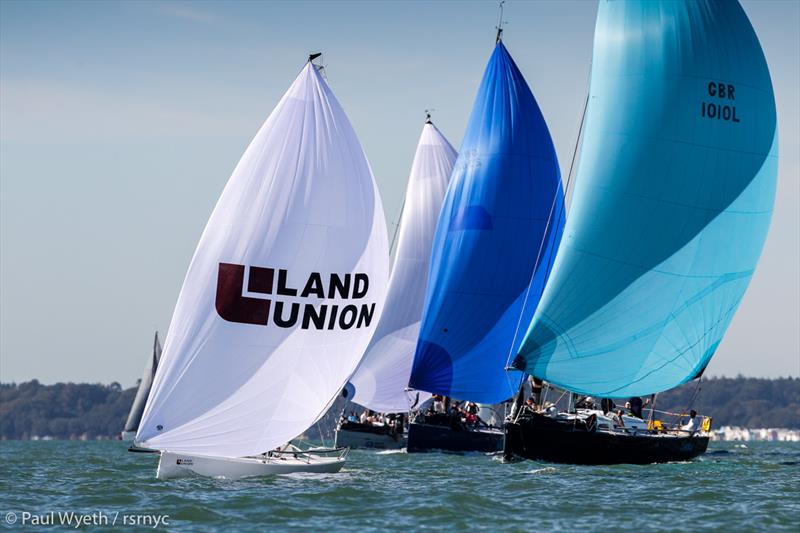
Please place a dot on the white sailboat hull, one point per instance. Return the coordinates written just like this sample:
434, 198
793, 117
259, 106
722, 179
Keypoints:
175, 465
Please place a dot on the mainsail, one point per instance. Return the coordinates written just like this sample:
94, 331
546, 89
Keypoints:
284, 290
381, 379
137, 408
492, 244
672, 202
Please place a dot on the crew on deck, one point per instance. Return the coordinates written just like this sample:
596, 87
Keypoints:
636, 406
618, 421
607, 405
438, 404
693, 424
393, 422
530, 405
586, 402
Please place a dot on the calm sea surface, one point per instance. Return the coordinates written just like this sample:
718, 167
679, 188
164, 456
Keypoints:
732, 488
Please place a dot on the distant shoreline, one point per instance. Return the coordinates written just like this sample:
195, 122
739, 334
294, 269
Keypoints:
84, 411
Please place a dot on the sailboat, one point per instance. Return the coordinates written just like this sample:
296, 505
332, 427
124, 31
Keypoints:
139, 401
380, 382
279, 303
494, 224
671, 207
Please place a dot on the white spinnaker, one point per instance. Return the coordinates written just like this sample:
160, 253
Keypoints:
381, 379
302, 199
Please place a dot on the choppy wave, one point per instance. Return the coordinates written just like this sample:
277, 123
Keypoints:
391, 452
545, 470
740, 490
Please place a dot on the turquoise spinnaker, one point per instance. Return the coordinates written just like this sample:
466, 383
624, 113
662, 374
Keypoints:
493, 245
672, 202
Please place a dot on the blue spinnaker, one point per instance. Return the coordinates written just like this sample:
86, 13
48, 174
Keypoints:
495, 225
672, 203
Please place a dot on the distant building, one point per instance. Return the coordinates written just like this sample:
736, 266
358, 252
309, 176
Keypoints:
735, 433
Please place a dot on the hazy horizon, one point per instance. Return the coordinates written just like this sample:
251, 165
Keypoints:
121, 122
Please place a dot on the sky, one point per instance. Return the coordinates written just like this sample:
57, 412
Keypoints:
120, 123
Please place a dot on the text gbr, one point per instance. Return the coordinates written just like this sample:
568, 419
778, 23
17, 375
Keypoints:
723, 91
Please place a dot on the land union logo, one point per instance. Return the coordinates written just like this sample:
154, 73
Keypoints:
290, 304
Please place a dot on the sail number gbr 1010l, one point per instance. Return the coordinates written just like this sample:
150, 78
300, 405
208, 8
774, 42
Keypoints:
718, 110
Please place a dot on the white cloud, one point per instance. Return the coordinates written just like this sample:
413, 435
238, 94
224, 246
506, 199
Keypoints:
186, 12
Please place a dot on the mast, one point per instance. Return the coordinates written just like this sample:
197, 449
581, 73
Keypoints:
500, 22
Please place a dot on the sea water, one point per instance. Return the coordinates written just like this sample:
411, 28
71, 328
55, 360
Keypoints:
100, 486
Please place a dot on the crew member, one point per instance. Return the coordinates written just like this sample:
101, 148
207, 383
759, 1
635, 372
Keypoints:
636, 406
692, 425
607, 405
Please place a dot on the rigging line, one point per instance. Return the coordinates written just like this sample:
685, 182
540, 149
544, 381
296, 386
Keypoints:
653, 398
694, 396
321, 436
319, 65
344, 410
578, 140
397, 225
511, 386
560, 397
547, 225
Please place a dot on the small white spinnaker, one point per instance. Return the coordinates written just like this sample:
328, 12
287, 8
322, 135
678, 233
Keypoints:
381, 380
142, 392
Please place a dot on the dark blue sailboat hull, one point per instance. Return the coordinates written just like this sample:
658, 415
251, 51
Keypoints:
541, 438
424, 437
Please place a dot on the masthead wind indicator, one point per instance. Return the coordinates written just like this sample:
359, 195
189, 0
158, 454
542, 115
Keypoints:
500, 22
428, 116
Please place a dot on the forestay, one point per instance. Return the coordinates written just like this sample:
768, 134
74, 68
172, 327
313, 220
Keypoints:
381, 380
284, 290
672, 202
493, 230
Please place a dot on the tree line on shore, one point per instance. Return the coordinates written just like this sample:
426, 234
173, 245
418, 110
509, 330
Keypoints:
93, 411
